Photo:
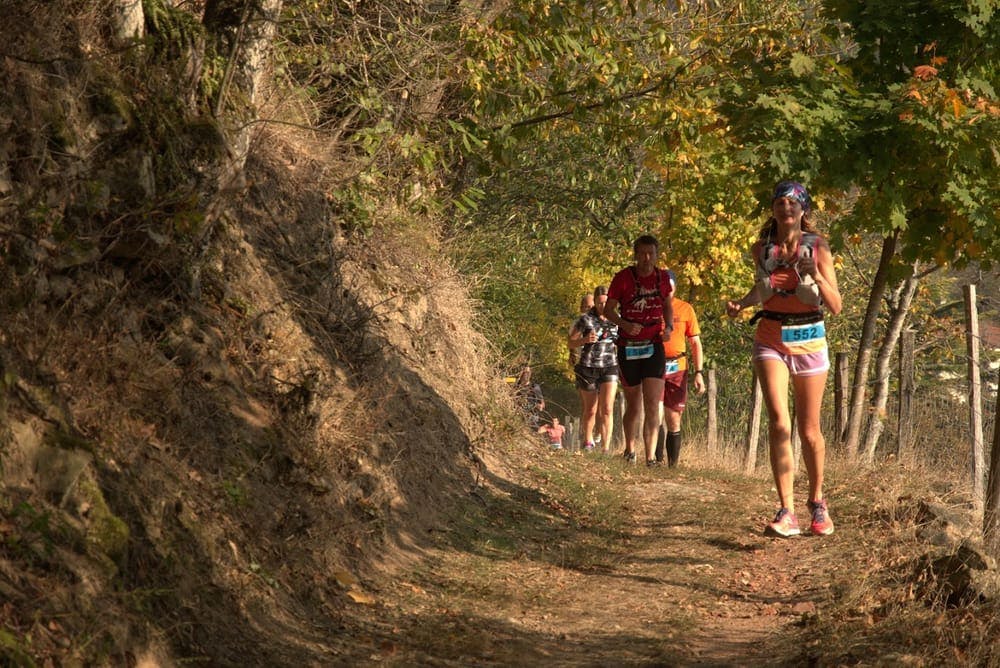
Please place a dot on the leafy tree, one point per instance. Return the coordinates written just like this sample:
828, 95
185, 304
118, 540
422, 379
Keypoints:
601, 122
899, 106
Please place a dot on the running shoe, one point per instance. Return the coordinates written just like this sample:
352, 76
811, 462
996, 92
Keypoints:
785, 524
589, 447
653, 462
821, 524
629, 457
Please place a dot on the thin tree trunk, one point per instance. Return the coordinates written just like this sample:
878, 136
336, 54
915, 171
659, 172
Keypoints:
857, 406
129, 20
713, 415
899, 309
975, 395
840, 392
246, 69
904, 430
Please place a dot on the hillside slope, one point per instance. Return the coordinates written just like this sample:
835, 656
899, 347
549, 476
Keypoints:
187, 472
211, 402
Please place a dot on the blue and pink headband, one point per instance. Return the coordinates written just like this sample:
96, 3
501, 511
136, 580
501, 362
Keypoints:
793, 190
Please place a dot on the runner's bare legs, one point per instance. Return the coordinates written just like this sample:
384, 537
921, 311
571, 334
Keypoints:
652, 400
633, 415
606, 413
773, 376
588, 416
808, 391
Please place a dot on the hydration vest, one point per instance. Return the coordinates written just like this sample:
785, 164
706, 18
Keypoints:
807, 291
661, 276
660, 273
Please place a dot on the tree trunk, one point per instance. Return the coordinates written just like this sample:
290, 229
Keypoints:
129, 20
904, 431
713, 415
250, 40
840, 392
857, 406
898, 310
975, 395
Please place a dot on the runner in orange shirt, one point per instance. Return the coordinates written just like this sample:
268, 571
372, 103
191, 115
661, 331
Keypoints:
675, 375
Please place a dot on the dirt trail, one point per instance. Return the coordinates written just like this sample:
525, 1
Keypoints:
686, 579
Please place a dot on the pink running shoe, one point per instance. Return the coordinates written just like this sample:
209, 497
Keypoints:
785, 524
821, 525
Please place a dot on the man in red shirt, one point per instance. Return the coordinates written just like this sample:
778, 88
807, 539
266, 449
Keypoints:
639, 302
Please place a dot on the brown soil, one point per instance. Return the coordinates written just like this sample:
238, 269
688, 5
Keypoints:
679, 575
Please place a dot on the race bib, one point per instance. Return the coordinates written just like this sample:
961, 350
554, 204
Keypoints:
672, 366
638, 352
803, 333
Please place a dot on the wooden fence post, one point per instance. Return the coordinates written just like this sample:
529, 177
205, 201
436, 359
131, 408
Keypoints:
841, 392
572, 434
975, 394
904, 428
712, 391
753, 431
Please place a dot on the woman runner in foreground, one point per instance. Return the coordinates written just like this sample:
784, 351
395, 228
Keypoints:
795, 281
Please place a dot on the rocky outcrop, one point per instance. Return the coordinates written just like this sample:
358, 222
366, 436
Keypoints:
957, 570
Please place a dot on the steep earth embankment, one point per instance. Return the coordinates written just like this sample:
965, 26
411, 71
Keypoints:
210, 425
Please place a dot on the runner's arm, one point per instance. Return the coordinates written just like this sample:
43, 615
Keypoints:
697, 363
668, 314
752, 297
576, 338
826, 279
615, 318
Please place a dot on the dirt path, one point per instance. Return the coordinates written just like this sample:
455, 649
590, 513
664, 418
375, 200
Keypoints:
685, 578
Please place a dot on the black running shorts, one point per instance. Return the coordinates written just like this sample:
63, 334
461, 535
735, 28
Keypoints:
633, 371
589, 378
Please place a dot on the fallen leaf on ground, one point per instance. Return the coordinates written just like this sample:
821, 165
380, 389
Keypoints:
361, 597
344, 578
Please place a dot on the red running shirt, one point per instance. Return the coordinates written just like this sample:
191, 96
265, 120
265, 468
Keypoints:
641, 301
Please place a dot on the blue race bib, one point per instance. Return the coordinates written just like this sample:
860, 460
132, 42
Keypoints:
672, 366
803, 333
638, 352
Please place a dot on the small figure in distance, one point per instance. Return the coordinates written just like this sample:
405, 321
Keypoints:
529, 397
639, 303
795, 281
686, 333
553, 433
593, 336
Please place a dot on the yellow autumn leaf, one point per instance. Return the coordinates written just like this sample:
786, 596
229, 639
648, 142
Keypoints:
957, 106
361, 597
344, 578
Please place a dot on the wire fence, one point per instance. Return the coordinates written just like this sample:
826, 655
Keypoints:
941, 422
